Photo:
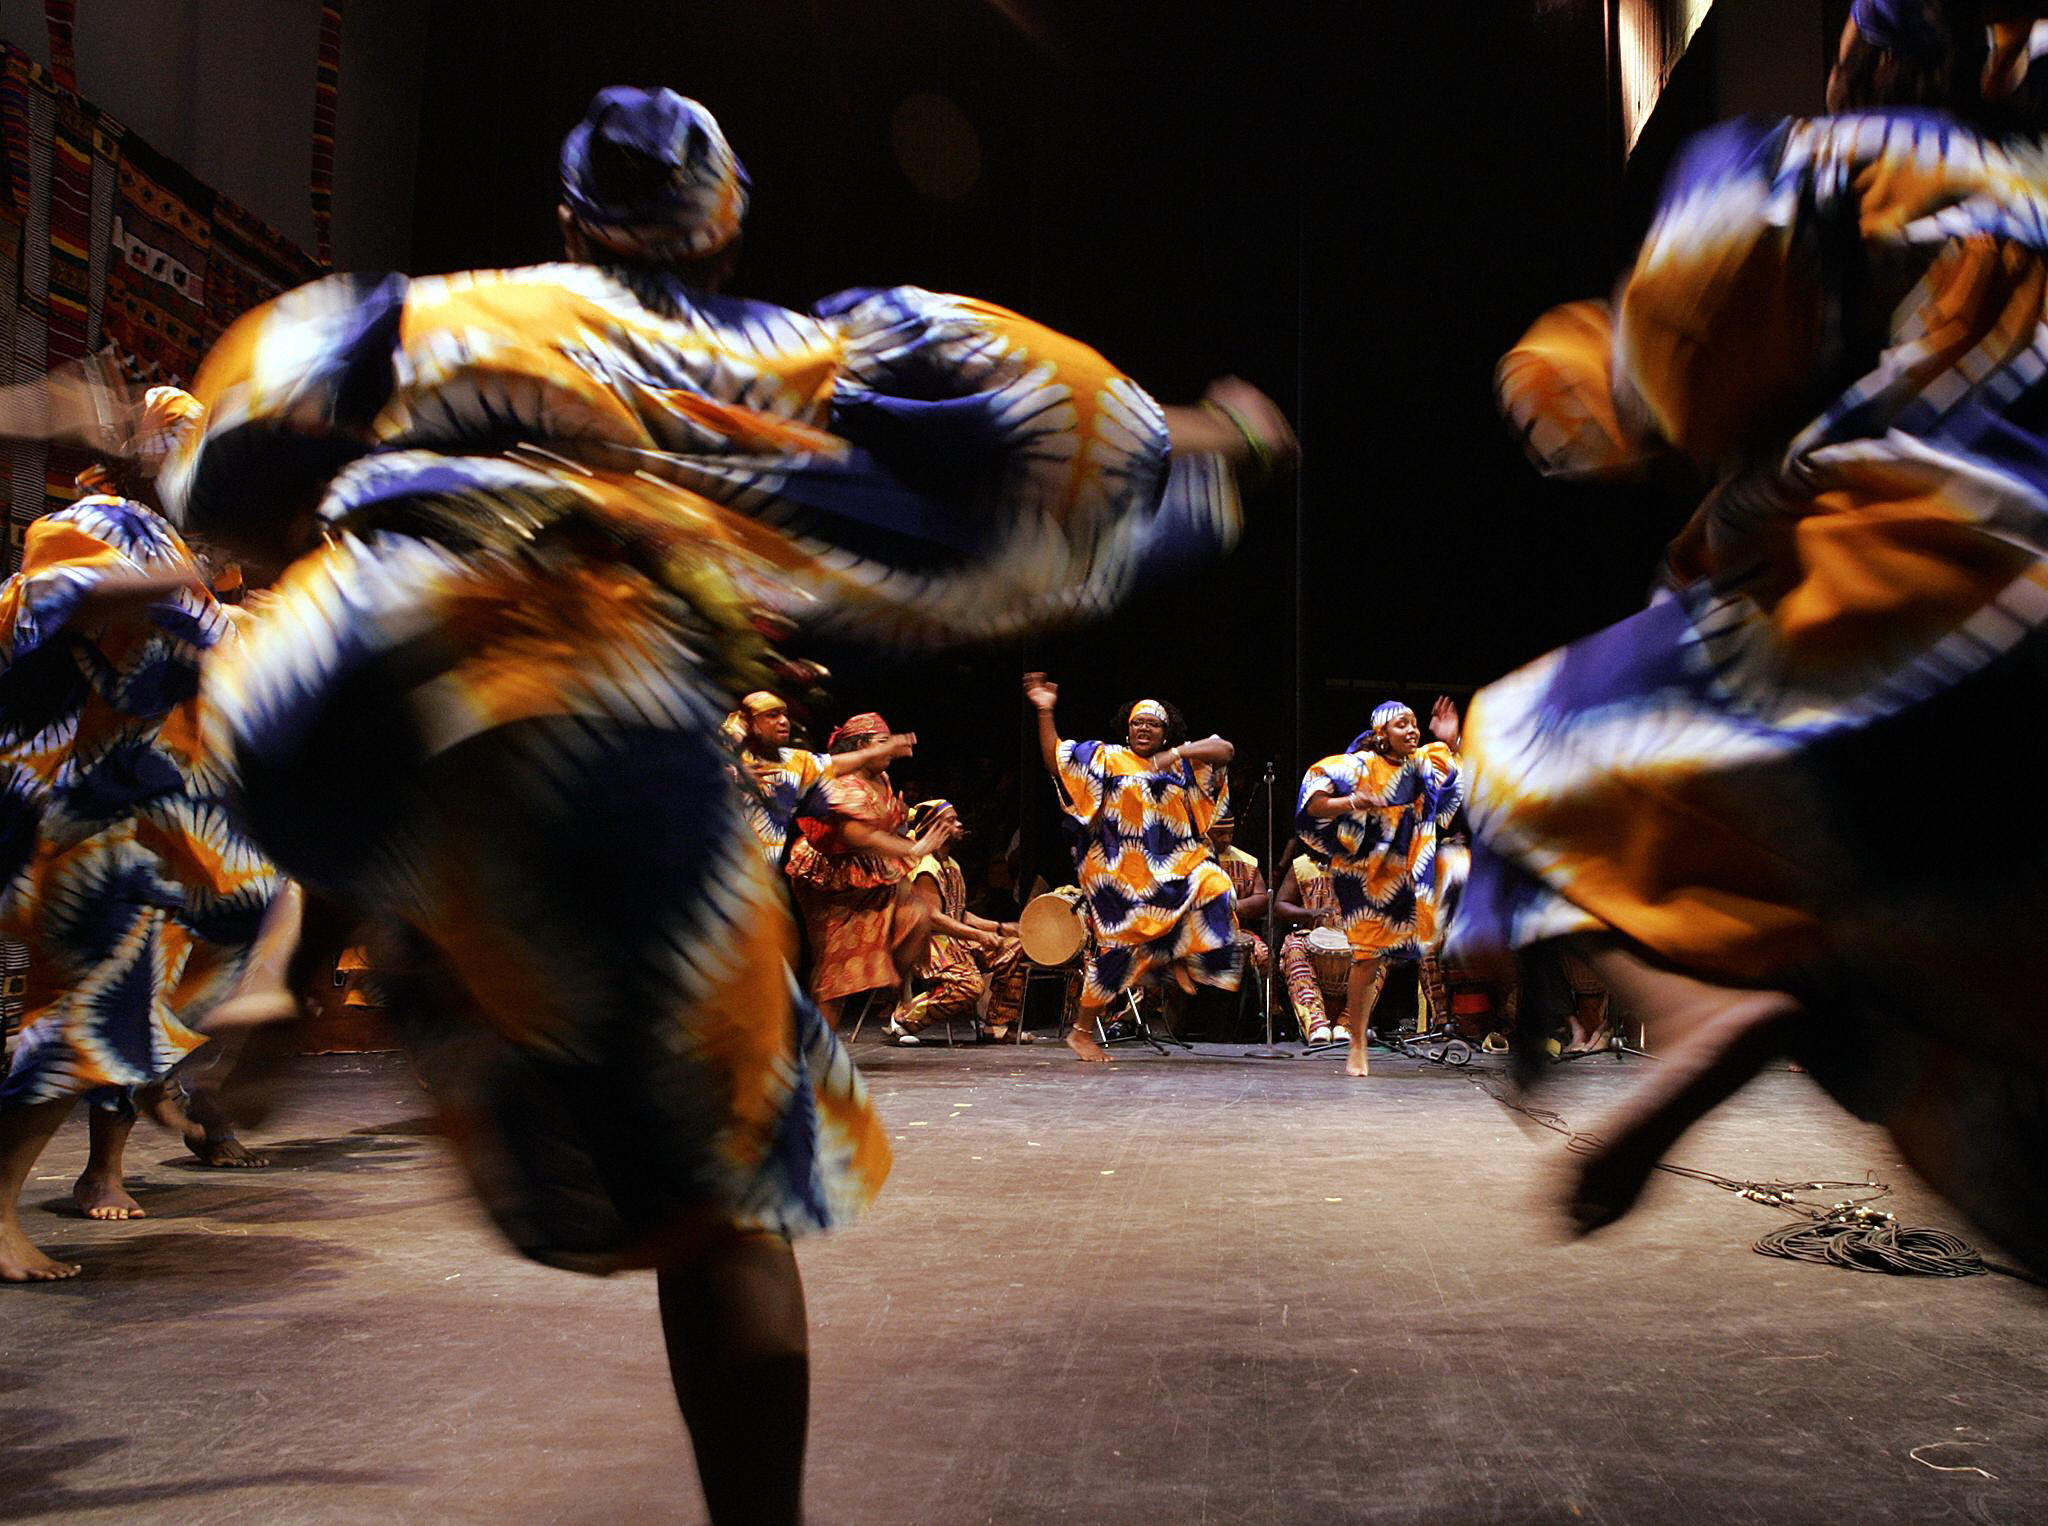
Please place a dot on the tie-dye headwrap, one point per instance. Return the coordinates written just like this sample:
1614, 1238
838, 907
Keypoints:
924, 813
866, 724
1381, 715
1903, 28
1149, 709
689, 200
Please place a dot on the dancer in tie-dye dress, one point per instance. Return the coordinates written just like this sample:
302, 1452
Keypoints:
1378, 810
537, 522
1159, 905
1744, 799
119, 868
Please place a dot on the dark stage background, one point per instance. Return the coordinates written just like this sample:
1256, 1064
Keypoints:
1355, 207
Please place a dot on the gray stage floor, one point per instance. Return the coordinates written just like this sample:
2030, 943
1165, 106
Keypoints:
1177, 1290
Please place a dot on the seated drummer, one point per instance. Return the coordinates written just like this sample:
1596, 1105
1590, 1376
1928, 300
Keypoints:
1248, 888
972, 963
1306, 900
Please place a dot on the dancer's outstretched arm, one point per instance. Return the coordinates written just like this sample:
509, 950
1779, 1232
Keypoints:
884, 752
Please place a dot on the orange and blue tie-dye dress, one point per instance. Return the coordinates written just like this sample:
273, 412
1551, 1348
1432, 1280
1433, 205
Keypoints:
563, 505
1392, 878
1789, 771
1156, 896
120, 869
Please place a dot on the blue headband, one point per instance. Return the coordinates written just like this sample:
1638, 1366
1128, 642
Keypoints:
1902, 28
693, 209
1380, 716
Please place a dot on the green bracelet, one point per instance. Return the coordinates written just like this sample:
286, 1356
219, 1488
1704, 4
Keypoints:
1262, 453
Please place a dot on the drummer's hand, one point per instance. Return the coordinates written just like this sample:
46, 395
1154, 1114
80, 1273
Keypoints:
1041, 691
900, 744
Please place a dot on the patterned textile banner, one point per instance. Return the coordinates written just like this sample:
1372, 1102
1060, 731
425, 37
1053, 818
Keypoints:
163, 235
104, 241
250, 263
60, 20
326, 89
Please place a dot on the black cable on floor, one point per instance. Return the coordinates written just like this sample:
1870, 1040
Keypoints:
1846, 1233
1874, 1245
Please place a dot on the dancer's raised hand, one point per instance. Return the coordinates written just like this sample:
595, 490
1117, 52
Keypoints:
1041, 691
1444, 722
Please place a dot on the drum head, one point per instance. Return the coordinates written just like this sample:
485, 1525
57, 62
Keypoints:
1328, 940
1051, 929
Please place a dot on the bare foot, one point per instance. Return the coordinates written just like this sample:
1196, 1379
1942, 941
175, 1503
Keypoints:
22, 1262
222, 1150
100, 1197
1355, 1060
1184, 978
1082, 1042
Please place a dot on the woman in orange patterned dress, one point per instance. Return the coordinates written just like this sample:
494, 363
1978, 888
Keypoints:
851, 871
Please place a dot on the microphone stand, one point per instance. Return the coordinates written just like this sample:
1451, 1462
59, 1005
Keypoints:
1268, 1051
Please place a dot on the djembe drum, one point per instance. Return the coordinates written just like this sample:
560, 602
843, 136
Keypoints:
1329, 952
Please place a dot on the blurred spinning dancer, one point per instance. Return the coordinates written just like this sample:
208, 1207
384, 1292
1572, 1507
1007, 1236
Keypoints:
137, 898
1378, 810
1842, 318
783, 776
537, 522
1159, 904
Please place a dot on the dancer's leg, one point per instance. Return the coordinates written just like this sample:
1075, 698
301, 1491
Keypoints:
263, 994
185, 1102
24, 1132
1710, 1040
98, 1192
1361, 995
739, 1355
1081, 1036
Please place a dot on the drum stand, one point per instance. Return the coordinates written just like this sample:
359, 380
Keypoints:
1141, 1031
